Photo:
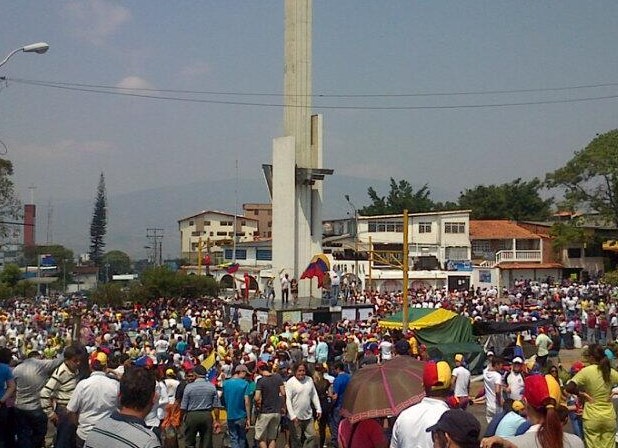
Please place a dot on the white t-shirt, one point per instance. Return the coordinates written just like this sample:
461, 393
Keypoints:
491, 379
515, 381
529, 440
386, 349
410, 427
462, 381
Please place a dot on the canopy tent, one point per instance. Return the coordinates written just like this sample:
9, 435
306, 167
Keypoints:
444, 332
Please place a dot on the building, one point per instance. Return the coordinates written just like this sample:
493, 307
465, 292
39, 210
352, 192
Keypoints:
503, 251
264, 214
215, 229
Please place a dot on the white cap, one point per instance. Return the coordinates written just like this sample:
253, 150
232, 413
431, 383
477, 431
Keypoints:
490, 353
518, 360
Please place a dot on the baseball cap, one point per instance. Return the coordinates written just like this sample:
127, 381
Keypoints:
241, 368
200, 370
539, 389
489, 353
170, 372
98, 357
460, 425
459, 357
437, 375
518, 405
517, 360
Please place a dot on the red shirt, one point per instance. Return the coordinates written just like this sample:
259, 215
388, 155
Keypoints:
368, 434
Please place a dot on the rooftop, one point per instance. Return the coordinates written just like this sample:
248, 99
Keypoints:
498, 229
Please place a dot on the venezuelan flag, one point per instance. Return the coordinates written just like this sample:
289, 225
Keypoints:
318, 267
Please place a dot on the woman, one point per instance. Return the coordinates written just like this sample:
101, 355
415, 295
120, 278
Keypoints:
323, 387
599, 415
542, 394
364, 434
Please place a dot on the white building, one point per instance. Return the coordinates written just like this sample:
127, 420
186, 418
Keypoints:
214, 228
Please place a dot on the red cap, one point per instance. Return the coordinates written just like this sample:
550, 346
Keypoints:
540, 389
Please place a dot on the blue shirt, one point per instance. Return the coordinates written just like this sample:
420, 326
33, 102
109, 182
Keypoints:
509, 424
5, 375
234, 391
339, 386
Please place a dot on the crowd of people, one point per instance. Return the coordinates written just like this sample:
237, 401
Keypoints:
176, 372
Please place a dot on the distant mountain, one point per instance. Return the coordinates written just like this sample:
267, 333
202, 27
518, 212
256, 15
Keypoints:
130, 214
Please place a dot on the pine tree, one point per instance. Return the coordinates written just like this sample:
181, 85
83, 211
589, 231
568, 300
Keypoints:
98, 227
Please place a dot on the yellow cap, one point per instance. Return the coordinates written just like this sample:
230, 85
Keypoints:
459, 357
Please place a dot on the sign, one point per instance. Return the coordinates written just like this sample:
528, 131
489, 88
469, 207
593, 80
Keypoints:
465, 266
290, 316
485, 276
307, 317
348, 313
364, 313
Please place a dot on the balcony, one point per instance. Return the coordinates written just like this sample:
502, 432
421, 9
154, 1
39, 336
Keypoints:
515, 256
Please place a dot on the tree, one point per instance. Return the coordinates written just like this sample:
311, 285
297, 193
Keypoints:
10, 275
567, 234
98, 227
518, 200
10, 207
118, 261
590, 178
400, 197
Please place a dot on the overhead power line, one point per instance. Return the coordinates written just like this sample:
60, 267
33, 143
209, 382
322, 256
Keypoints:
315, 106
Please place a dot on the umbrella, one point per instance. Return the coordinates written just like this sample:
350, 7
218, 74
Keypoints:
384, 390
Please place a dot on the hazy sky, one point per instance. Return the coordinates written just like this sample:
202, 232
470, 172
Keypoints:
60, 140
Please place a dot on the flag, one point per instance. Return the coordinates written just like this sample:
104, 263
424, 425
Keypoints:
210, 364
519, 349
230, 267
318, 267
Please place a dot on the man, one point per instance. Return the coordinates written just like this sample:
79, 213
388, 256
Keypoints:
514, 380
461, 382
335, 283
237, 398
161, 347
321, 351
30, 377
492, 381
300, 394
7, 392
285, 288
94, 398
269, 402
126, 427
544, 345
350, 355
410, 428
199, 401
513, 422
58, 391
339, 386
456, 429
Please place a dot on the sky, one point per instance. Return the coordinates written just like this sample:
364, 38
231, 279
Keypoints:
61, 140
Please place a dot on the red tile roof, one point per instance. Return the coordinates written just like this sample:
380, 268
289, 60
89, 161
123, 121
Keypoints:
498, 229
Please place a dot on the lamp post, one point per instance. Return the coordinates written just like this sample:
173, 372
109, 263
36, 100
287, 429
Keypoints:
39, 48
347, 198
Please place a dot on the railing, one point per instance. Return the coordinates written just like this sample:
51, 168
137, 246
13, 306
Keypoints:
518, 255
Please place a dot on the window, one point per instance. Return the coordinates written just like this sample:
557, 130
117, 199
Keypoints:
454, 227
574, 252
212, 233
424, 227
221, 233
256, 212
385, 226
196, 233
457, 253
206, 223
270, 224
243, 223
226, 223
264, 255
270, 234
241, 254
191, 223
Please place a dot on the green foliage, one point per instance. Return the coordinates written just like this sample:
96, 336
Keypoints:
109, 294
161, 281
400, 197
568, 234
10, 207
194, 286
24, 288
10, 275
518, 200
98, 226
118, 261
590, 178
611, 278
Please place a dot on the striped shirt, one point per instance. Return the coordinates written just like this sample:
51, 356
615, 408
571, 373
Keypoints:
200, 395
30, 377
58, 388
121, 431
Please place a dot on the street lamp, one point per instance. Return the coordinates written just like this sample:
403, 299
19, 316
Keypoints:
39, 47
347, 198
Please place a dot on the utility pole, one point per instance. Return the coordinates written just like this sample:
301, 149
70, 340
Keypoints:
405, 317
155, 236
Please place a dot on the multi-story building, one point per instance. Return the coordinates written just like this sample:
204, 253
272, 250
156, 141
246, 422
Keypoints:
264, 214
214, 229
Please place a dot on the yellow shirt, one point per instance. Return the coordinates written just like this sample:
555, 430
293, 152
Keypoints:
591, 381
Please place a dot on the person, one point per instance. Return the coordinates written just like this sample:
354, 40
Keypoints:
30, 377
157, 412
456, 428
126, 427
7, 392
269, 403
56, 394
335, 283
350, 355
294, 290
238, 406
461, 382
300, 395
599, 416
514, 380
364, 434
544, 345
541, 394
93, 399
340, 384
285, 288
513, 422
324, 389
199, 401
171, 383
410, 427
492, 381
